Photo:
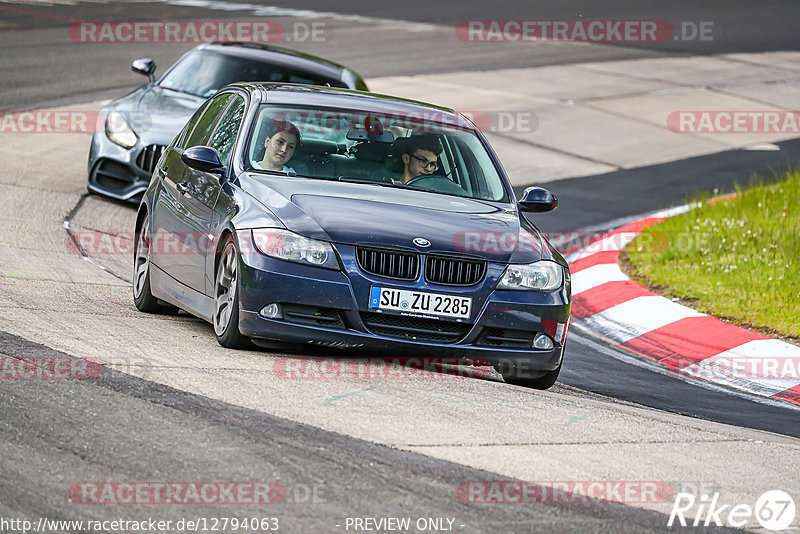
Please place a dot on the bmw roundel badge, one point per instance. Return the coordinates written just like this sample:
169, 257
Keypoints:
421, 242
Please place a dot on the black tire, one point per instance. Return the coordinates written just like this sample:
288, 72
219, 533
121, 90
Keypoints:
226, 299
545, 381
142, 297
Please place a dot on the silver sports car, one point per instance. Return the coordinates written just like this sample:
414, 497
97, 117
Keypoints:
133, 130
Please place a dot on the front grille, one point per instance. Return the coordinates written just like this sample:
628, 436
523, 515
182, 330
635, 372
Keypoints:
148, 157
312, 315
454, 271
414, 328
506, 338
395, 264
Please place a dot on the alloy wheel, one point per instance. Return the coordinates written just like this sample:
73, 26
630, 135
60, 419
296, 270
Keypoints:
225, 289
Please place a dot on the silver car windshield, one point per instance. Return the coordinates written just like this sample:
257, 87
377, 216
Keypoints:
204, 73
433, 151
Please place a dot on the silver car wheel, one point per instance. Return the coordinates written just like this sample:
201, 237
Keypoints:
225, 289
141, 261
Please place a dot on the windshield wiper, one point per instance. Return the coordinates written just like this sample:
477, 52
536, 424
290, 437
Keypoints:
396, 183
351, 180
393, 183
179, 91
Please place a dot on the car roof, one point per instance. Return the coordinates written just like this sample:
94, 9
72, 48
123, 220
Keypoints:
311, 95
275, 54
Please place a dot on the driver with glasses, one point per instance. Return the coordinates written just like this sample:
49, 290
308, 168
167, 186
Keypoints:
421, 156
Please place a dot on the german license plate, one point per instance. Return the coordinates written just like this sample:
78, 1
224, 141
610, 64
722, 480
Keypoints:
385, 298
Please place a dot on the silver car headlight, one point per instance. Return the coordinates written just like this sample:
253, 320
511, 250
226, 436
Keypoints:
541, 275
289, 246
119, 131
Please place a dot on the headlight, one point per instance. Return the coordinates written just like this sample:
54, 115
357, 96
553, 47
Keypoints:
119, 131
289, 246
542, 275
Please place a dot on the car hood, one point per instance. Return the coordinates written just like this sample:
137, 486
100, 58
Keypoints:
371, 215
156, 114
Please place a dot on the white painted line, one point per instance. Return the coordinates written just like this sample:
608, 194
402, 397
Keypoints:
671, 212
763, 147
653, 366
614, 242
635, 317
596, 275
764, 367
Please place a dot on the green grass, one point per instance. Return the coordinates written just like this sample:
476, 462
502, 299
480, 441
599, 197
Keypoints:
738, 259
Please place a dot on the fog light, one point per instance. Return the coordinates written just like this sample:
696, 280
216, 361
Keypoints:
542, 342
271, 311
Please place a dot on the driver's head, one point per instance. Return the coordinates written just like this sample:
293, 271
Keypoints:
280, 144
421, 156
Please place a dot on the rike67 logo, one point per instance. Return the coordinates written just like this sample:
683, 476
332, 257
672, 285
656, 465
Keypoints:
774, 510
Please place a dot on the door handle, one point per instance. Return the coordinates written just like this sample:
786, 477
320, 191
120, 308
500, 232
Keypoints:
183, 188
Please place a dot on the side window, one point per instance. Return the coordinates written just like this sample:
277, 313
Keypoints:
224, 137
458, 168
180, 140
204, 125
470, 176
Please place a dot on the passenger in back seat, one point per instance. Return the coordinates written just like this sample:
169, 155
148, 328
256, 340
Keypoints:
280, 144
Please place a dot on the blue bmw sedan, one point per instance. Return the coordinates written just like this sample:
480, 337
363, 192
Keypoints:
304, 214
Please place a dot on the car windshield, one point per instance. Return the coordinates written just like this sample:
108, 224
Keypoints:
203, 73
427, 150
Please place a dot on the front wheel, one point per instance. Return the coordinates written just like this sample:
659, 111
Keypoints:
226, 299
142, 296
516, 375
545, 381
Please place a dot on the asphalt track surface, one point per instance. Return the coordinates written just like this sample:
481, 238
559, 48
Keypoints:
59, 71
123, 428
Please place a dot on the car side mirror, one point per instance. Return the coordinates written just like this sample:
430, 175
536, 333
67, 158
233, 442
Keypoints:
538, 200
203, 158
144, 66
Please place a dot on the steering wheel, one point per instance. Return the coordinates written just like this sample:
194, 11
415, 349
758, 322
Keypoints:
437, 182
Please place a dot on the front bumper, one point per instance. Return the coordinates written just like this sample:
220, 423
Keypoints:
330, 308
120, 173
